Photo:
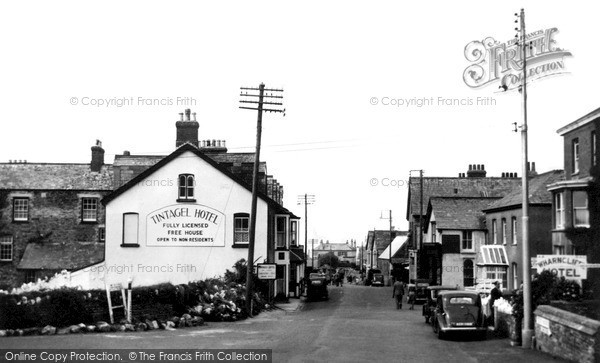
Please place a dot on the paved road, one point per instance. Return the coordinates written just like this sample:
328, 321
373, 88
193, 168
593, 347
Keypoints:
357, 324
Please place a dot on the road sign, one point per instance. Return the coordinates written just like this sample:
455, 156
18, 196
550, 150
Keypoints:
266, 271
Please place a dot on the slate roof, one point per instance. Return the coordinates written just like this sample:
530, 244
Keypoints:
61, 256
456, 187
180, 150
538, 192
48, 176
458, 212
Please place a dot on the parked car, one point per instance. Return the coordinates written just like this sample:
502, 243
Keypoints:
459, 311
377, 280
370, 274
421, 290
317, 287
431, 293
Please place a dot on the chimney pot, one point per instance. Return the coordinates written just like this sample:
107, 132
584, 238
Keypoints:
194, 114
126, 153
533, 166
181, 116
97, 157
187, 114
503, 175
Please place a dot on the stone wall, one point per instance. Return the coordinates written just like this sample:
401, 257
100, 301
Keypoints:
567, 335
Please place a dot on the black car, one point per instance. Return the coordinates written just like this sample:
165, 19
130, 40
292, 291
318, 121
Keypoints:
317, 287
431, 300
458, 311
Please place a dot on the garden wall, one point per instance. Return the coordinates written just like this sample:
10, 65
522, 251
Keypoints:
567, 335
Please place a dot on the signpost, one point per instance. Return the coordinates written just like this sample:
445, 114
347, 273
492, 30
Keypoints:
266, 271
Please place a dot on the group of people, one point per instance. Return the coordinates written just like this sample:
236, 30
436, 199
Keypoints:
398, 293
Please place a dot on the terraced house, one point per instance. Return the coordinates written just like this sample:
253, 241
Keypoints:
576, 198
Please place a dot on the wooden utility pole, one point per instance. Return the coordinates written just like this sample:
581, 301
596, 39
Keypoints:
306, 199
276, 94
527, 331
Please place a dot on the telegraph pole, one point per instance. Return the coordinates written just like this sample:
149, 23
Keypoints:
390, 250
420, 242
527, 331
274, 94
306, 199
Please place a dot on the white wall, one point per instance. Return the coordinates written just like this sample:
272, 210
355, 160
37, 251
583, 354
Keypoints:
148, 265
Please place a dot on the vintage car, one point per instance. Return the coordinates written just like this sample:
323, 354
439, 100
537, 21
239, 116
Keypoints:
316, 287
421, 290
431, 293
378, 280
459, 311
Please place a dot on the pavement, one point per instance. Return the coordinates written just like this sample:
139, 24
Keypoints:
293, 304
357, 324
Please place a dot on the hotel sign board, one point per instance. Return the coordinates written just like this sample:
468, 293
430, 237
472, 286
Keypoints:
266, 271
185, 225
572, 267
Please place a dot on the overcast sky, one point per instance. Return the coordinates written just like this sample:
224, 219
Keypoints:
331, 57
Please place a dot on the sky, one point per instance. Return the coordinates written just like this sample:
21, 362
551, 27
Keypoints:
348, 69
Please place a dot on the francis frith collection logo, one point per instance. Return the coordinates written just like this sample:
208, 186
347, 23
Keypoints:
493, 62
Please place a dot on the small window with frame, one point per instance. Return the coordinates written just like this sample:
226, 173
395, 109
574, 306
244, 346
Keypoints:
20, 209
186, 185
89, 209
6, 248
130, 230
241, 229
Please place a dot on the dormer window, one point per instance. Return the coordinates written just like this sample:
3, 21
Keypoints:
186, 188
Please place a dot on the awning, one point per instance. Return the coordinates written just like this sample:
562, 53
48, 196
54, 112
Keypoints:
396, 245
61, 256
296, 256
493, 255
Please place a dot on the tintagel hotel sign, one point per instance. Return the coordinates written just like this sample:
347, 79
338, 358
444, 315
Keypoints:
185, 225
501, 63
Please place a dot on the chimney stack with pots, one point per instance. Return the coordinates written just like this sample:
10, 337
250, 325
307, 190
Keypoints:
531, 169
97, 157
476, 171
187, 129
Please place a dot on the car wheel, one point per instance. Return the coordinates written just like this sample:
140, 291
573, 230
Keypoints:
438, 330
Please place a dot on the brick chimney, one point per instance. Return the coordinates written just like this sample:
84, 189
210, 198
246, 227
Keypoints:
476, 171
213, 146
531, 169
187, 130
97, 157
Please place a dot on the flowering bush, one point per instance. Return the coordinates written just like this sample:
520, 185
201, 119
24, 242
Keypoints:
546, 287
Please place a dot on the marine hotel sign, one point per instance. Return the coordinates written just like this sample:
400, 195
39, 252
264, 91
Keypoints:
190, 225
501, 63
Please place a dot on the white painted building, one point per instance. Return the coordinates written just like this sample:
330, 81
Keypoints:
186, 218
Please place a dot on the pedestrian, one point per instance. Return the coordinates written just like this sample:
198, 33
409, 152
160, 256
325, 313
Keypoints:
411, 296
495, 294
398, 293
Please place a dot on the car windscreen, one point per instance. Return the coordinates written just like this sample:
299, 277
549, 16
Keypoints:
461, 300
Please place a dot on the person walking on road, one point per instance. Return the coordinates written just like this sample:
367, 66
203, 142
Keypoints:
398, 293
